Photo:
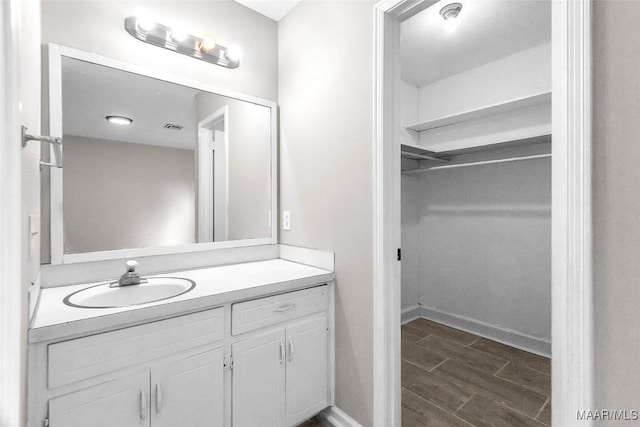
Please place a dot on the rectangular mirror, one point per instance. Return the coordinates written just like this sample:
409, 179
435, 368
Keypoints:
153, 164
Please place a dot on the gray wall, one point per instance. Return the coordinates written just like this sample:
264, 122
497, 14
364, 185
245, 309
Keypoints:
616, 203
120, 195
248, 166
326, 142
478, 244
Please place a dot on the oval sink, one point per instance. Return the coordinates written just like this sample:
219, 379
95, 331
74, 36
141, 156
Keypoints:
105, 296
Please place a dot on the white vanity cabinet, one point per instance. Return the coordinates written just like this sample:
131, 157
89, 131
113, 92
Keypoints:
187, 392
167, 373
280, 373
255, 361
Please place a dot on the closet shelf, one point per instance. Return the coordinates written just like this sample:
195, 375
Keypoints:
514, 104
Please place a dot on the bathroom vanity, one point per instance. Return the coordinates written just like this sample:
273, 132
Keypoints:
251, 344
237, 330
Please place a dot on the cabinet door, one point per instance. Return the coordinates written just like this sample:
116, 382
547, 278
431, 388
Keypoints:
306, 369
123, 402
189, 392
259, 381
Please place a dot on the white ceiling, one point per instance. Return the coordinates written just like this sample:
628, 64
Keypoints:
274, 9
485, 30
91, 92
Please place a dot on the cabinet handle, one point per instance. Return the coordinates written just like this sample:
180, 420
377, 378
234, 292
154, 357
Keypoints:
143, 404
158, 398
284, 307
290, 349
281, 352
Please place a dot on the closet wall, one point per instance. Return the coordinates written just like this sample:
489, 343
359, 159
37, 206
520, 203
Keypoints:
477, 240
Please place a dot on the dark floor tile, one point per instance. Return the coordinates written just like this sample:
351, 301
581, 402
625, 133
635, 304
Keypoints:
545, 415
461, 337
502, 391
527, 377
533, 361
420, 356
412, 334
417, 411
482, 412
313, 422
438, 391
447, 349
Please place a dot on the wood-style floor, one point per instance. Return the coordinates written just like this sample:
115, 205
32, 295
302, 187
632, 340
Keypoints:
451, 378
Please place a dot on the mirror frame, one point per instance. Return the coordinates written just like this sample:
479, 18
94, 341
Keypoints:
55, 53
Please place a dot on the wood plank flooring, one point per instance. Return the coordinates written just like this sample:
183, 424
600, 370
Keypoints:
454, 378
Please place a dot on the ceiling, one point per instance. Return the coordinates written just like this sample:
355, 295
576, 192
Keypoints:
91, 92
485, 30
274, 9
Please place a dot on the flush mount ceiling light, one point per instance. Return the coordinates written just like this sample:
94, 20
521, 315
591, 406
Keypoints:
180, 41
119, 120
450, 11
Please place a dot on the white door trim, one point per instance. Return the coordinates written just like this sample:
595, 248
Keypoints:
213, 184
572, 288
12, 312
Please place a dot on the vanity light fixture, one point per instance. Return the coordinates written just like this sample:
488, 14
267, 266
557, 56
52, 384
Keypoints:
205, 48
119, 120
450, 11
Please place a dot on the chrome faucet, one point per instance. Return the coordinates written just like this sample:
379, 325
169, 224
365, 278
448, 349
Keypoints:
131, 277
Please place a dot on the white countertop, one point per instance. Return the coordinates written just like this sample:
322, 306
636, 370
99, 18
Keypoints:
214, 286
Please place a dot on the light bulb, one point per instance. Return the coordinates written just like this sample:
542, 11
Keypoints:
233, 53
145, 24
178, 34
119, 120
207, 43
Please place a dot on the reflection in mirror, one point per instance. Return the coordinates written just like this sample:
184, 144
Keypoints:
191, 167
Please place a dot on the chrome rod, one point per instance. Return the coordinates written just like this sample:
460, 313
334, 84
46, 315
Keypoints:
478, 163
423, 156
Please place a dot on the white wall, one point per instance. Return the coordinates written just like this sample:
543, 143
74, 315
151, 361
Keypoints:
483, 241
616, 203
326, 142
120, 195
409, 104
516, 76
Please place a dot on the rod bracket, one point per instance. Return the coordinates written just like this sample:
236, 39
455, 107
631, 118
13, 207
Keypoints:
55, 142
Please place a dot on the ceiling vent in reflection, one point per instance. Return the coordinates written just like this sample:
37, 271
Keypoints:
172, 126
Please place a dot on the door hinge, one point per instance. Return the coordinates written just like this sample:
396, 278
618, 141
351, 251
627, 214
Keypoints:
45, 423
399, 254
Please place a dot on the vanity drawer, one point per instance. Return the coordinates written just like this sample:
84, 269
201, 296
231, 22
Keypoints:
86, 357
251, 315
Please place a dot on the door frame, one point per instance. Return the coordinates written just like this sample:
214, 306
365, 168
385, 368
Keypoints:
210, 201
12, 297
572, 281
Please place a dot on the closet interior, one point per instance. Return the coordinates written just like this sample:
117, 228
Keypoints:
475, 140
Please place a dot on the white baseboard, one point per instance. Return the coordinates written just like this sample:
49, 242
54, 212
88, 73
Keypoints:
506, 336
410, 313
336, 417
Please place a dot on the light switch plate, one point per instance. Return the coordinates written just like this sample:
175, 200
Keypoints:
286, 220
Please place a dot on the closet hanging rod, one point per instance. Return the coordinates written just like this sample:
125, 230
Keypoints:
422, 156
482, 162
